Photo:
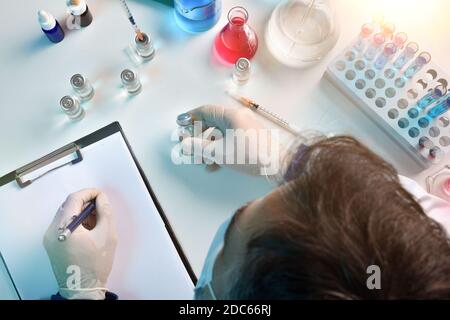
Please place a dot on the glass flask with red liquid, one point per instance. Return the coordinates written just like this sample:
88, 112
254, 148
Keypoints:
237, 39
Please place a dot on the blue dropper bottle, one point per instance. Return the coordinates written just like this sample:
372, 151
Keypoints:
50, 26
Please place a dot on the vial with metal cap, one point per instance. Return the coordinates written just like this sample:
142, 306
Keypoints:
242, 70
144, 47
185, 126
425, 142
436, 154
72, 108
130, 81
82, 87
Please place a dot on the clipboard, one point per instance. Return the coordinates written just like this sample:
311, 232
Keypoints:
43, 169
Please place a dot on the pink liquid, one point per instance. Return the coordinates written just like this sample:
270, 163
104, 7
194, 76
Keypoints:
447, 187
236, 40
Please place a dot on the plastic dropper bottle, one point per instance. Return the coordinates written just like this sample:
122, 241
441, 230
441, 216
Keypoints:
80, 10
50, 26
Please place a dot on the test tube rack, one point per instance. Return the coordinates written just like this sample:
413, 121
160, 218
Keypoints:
386, 98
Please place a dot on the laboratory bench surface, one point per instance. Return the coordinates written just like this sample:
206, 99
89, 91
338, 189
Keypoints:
184, 74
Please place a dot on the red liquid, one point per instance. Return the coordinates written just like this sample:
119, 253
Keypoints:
236, 40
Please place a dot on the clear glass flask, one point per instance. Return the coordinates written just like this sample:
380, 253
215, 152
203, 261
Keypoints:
423, 59
237, 39
197, 15
406, 56
302, 32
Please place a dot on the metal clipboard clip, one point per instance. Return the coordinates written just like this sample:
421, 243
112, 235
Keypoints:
47, 160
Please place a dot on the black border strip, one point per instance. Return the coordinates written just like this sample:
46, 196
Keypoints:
96, 136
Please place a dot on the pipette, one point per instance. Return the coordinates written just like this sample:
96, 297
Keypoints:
302, 22
266, 113
131, 19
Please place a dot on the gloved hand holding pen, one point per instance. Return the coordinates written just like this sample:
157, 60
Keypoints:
83, 262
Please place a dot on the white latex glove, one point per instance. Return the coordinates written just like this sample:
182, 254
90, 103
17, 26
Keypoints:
91, 252
269, 152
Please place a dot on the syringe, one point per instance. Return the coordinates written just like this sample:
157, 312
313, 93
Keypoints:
132, 21
266, 113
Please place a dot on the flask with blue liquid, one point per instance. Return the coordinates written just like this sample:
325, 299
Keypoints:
197, 15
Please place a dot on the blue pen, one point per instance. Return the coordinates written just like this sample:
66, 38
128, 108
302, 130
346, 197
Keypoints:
77, 221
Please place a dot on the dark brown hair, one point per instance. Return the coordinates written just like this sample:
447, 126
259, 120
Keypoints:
345, 210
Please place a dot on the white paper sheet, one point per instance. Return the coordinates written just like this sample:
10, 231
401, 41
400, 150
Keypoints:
146, 265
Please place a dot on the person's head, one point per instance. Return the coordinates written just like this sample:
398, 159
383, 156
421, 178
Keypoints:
340, 210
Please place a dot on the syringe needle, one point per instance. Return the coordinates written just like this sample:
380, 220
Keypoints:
266, 113
132, 21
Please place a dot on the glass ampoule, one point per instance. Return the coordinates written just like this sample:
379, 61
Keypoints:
131, 82
72, 108
410, 51
144, 47
375, 46
417, 65
388, 52
433, 96
82, 87
364, 37
242, 71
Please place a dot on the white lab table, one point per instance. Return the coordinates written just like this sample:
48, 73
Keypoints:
35, 75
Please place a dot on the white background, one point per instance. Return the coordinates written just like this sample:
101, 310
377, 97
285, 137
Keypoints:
35, 75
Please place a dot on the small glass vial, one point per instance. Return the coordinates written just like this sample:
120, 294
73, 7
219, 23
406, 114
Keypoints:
440, 109
431, 97
406, 56
388, 30
364, 37
436, 154
130, 81
242, 71
71, 107
389, 51
375, 46
423, 59
400, 40
144, 47
425, 143
185, 126
82, 87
